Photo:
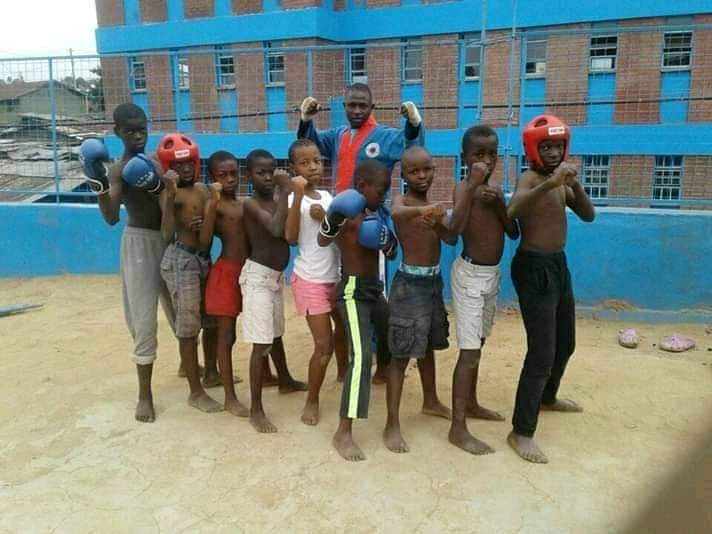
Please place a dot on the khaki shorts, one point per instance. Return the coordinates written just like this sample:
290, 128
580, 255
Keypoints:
262, 318
474, 298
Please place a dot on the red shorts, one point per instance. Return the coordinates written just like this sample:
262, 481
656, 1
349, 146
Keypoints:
222, 292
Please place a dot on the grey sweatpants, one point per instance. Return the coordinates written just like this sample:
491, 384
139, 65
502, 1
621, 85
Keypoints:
142, 287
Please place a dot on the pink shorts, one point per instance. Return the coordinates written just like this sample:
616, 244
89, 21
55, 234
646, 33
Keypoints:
313, 298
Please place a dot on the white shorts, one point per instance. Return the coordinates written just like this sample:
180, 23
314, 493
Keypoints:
262, 318
474, 298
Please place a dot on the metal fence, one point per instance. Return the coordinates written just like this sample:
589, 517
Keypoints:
618, 86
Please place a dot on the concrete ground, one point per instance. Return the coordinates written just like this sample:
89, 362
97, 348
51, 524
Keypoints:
73, 459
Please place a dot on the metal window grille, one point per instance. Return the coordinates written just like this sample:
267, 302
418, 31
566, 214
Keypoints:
275, 66
595, 176
536, 57
413, 61
225, 65
523, 164
667, 178
677, 50
603, 52
473, 48
357, 65
183, 73
137, 74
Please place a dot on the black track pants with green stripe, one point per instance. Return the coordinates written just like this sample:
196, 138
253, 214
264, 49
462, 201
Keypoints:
364, 311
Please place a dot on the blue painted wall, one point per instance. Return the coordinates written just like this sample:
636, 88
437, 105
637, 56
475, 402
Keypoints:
654, 259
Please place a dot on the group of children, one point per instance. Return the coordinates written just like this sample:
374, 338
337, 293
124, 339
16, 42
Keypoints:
336, 283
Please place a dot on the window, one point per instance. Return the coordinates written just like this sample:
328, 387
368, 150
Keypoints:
603, 53
536, 58
677, 50
183, 73
667, 178
225, 65
357, 65
412, 61
275, 66
523, 164
473, 50
137, 74
595, 176
463, 169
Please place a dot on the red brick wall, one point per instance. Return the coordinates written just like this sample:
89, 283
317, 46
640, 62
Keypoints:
638, 73
697, 177
496, 80
328, 80
382, 3
115, 74
567, 75
203, 94
440, 86
298, 4
159, 86
109, 12
153, 11
339, 5
250, 83
198, 8
701, 82
444, 183
631, 176
383, 69
241, 7
295, 78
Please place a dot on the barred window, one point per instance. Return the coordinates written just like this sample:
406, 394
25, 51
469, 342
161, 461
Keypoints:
275, 66
183, 73
412, 61
595, 176
603, 52
357, 65
473, 48
225, 65
536, 58
667, 178
137, 73
677, 50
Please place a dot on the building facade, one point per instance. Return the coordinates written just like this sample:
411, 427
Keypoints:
635, 84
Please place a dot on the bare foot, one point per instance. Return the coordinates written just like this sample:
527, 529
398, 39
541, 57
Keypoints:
205, 403
460, 437
562, 405
235, 407
310, 415
347, 448
262, 424
437, 409
270, 381
292, 386
480, 412
145, 412
181, 371
526, 448
380, 377
393, 440
211, 379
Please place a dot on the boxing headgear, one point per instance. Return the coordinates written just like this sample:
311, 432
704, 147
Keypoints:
179, 147
542, 128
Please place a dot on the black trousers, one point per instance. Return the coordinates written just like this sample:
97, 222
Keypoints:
546, 300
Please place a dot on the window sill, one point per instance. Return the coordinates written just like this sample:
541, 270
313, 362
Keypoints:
602, 71
412, 82
534, 76
139, 91
275, 84
471, 79
675, 69
226, 88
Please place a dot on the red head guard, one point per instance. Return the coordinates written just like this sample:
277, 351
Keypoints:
179, 147
540, 129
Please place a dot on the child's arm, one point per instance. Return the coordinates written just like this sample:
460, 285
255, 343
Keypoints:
110, 203
168, 207
401, 212
527, 193
294, 213
578, 200
463, 195
510, 225
210, 214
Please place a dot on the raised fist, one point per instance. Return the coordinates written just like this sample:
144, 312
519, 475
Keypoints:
216, 189
564, 174
309, 108
478, 173
170, 180
281, 178
409, 110
299, 184
317, 212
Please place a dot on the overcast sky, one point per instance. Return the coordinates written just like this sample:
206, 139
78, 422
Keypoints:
47, 27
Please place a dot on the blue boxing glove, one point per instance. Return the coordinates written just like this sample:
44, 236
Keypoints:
345, 205
140, 173
93, 157
375, 234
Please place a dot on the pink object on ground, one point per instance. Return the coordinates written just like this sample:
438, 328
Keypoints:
629, 338
677, 343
